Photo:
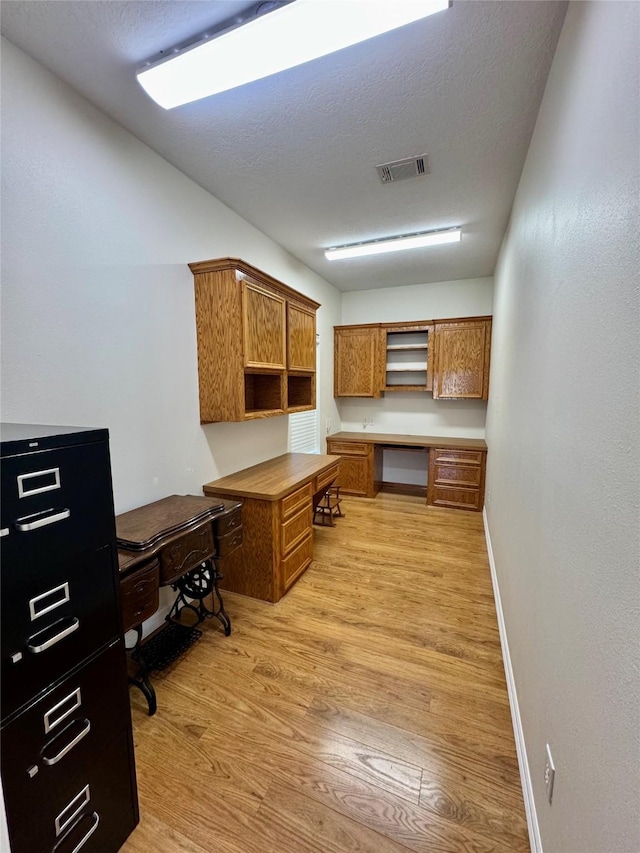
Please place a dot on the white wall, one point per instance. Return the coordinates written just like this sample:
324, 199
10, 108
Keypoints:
416, 413
98, 320
563, 489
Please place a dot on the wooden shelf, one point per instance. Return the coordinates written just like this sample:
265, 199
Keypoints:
406, 387
300, 393
263, 395
395, 347
406, 369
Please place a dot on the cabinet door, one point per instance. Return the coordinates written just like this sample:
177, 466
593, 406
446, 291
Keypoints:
301, 338
356, 355
354, 475
263, 324
462, 360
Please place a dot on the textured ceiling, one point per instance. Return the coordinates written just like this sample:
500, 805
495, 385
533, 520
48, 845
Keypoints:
295, 154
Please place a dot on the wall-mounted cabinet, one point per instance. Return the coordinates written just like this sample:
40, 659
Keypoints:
256, 343
448, 357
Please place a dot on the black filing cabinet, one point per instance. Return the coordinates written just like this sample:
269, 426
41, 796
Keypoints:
68, 771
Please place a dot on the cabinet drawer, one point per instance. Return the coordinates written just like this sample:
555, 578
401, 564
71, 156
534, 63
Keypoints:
186, 553
457, 475
353, 448
324, 480
456, 497
296, 500
453, 456
61, 735
54, 616
296, 528
225, 545
228, 522
297, 561
55, 502
140, 593
92, 804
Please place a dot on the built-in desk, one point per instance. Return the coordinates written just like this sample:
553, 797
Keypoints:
455, 466
278, 498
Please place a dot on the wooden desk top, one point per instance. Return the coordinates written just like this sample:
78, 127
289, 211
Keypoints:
155, 525
410, 440
272, 480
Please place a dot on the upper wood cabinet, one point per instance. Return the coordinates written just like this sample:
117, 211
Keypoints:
461, 359
301, 337
264, 318
358, 367
448, 357
256, 343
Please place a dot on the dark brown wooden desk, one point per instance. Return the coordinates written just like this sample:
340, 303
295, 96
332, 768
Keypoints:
175, 542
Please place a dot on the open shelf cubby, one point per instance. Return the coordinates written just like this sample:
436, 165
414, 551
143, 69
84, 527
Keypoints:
263, 393
300, 392
406, 361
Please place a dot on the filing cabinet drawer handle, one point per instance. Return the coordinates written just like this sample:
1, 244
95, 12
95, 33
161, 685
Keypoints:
71, 811
75, 624
76, 740
4, 532
25, 526
84, 839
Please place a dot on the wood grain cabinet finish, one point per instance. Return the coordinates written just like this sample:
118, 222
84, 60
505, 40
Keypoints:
375, 359
277, 520
359, 464
256, 343
358, 363
456, 478
461, 359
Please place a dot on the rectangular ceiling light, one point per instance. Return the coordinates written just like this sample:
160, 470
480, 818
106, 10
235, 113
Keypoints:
290, 35
395, 244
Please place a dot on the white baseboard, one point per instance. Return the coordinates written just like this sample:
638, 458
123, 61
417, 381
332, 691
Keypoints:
523, 763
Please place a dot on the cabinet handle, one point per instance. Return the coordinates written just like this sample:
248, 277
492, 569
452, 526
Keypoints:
84, 839
4, 532
76, 740
24, 526
36, 649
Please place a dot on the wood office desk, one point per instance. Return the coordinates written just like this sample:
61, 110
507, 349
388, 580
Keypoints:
455, 466
277, 499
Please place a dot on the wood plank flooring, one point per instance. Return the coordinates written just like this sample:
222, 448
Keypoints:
366, 711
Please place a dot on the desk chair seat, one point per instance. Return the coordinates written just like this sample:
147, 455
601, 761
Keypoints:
328, 507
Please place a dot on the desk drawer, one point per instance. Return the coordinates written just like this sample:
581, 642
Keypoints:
140, 595
227, 523
458, 475
454, 456
352, 448
456, 498
225, 545
187, 553
296, 528
297, 561
296, 500
324, 480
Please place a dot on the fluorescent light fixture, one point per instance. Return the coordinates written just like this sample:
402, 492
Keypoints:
289, 35
395, 244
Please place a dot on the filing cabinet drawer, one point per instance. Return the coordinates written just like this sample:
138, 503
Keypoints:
456, 498
455, 456
140, 595
62, 733
55, 502
95, 805
186, 553
296, 528
54, 616
297, 561
296, 500
351, 448
225, 545
458, 475
324, 480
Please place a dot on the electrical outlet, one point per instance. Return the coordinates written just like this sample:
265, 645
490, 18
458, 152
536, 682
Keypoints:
549, 774
328, 426
370, 421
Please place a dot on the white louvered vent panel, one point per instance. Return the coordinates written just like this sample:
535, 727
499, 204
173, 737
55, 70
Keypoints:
400, 170
303, 432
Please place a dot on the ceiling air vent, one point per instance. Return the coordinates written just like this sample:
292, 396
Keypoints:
400, 170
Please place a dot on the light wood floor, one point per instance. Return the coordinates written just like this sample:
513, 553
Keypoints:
367, 711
